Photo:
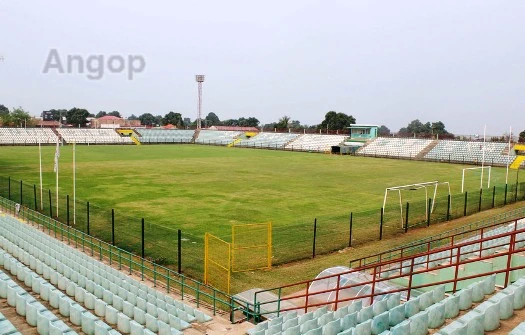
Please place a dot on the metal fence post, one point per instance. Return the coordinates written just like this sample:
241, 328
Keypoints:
179, 252
67, 209
34, 195
505, 201
381, 225
406, 216
480, 199
142, 253
493, 195
448, 207
87, 212
113, 226
50, 205
350, 236
22, 200
315, 235
428, 211
465, 205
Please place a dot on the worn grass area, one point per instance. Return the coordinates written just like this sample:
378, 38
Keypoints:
206, 189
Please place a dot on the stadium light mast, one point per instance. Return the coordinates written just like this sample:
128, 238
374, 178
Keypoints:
199, 79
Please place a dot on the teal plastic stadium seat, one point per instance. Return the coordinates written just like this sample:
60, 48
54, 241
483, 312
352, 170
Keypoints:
75, 314
393, 300
363, 328
379, 307
308, 325
100, 308
518, 330
380, 323
436, 315
6, 327
139, 315
163, 315
325, 318
349, 321
465, 298
419, 323
402, 328
123, 323
451, 306
396, 315
506, 304
295, 330
411, 307
477, 292
365, 314
152, 323
136, 328
474, 321
111, 315
316, 331
287, 324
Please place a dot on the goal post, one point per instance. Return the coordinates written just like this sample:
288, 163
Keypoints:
413, 187
482, 168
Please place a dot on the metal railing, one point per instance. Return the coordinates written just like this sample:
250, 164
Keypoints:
404, 268
426, 244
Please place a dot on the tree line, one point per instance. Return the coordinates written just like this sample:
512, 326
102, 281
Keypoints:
333, 121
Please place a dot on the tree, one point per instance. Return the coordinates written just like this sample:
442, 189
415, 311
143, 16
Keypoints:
336, 121
3, 110
249, 122
417, 128
283, 122
133, 117
173, 118
147, 119
101, 114
438, 128
77, 117
115, 113
522, 137
16, 118
230, 122
212, 119
383, 131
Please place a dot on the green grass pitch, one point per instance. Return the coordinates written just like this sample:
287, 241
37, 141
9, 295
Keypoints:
206, 189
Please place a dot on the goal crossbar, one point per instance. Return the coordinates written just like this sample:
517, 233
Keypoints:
482, 168
413, 187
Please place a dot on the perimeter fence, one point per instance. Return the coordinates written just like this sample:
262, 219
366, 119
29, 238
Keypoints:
302, 238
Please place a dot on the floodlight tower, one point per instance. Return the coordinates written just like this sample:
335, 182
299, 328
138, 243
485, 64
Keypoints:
199, 79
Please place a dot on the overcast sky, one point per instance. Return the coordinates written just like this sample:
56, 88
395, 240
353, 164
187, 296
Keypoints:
384, 62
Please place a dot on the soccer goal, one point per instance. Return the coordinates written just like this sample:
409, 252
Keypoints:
482, 168
414, 187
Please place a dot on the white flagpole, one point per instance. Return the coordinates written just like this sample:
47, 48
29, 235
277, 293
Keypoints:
57, 150
483, 156
40, 162
74, 186
508, 157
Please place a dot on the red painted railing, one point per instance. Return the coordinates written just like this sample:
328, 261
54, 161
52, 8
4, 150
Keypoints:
454, 255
